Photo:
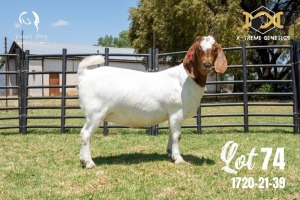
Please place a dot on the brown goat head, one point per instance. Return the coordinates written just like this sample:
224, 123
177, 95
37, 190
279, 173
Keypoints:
201, 56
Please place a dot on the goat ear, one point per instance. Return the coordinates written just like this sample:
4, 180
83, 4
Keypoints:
221, 61
190, 54
191, 58
188, 60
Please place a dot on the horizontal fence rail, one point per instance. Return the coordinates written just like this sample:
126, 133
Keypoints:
24, 113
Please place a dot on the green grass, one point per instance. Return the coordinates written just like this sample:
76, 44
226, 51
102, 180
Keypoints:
132, 165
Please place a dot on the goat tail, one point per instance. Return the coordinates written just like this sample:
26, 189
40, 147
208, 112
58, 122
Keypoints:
89, 61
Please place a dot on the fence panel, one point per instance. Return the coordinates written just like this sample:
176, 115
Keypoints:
60, 109
10, 100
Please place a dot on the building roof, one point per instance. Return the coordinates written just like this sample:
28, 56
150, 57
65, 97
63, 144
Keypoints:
38, 48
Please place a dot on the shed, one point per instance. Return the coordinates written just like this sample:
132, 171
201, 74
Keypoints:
53, 64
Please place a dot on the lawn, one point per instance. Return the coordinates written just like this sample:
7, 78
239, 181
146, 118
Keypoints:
132, 165
44, 164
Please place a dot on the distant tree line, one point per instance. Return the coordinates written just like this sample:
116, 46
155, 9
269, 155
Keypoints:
172, 25
109, 41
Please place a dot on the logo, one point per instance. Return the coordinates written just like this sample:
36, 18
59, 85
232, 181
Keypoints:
28, 22
262, 20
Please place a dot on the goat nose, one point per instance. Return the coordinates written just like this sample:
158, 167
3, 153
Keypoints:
207, 64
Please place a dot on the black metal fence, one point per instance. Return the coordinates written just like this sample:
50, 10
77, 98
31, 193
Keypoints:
19, 112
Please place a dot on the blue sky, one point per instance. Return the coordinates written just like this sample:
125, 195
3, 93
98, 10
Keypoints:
63, 21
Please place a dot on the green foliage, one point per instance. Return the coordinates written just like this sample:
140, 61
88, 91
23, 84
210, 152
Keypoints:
266, 88
109, 41
294, 30
173, 25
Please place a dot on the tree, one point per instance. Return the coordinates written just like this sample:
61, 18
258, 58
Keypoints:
290, 11
109, 41
172, 25
294, 30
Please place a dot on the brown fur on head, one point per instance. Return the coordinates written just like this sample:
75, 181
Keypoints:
200, 58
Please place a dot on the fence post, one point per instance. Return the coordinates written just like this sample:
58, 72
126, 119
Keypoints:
63, 90
22, 87
105, 124
156, 69
150, 60
297, 74
156, 60
19, 83
24, 93
245, 89
153, 66
199, 128
150, 68
295, 78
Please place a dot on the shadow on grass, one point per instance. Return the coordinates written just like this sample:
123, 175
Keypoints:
135, 158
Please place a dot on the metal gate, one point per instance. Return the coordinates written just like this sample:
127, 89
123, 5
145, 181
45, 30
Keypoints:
14, 106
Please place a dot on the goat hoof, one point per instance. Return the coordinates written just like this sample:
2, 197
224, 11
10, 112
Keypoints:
87, 164
179, 161
90, 165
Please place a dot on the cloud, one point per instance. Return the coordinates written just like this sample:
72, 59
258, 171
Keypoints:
17, 25
60, 23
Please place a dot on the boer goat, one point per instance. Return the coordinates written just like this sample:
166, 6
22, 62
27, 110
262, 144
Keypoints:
122, 95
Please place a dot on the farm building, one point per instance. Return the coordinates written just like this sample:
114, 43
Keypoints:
53, 65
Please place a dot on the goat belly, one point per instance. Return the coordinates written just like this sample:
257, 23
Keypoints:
137, 118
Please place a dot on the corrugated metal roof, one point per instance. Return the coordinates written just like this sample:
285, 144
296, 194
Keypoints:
38, 48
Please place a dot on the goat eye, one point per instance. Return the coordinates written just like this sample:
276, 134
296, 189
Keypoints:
216, 51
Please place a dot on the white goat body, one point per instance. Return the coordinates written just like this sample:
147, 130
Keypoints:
139, 99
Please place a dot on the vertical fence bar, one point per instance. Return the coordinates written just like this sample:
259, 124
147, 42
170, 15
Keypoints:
22, 93
199, 128
295, 78
7, 70
245, 89
19, 81
150, 69
25, 92
105, 124
297, 75
23, 87
155, 69
63, 90
156, 60
149, 60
